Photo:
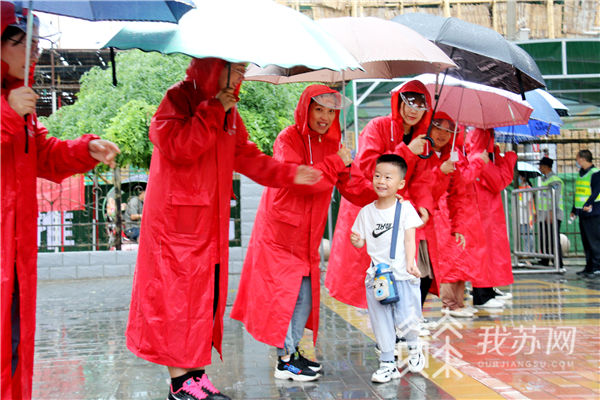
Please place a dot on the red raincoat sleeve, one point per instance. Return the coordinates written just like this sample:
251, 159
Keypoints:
373, 145
458, 203
11, 121
470, 170
264, 170
499, 175
59, 159
180, 138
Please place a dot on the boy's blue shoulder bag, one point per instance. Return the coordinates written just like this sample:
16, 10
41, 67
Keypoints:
385, 286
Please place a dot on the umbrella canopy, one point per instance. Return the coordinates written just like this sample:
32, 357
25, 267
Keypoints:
544, 119
384, 49
481, 106
113, 10
260, 31
482, 54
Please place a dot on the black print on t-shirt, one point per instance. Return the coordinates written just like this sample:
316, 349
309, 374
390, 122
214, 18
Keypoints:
380, 229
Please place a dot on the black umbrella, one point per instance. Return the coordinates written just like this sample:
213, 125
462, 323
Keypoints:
482, 54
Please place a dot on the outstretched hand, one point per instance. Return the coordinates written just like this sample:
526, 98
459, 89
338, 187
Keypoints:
306, 175
104, 151
424, 214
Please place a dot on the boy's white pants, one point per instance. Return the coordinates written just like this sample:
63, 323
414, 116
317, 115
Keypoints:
404, 314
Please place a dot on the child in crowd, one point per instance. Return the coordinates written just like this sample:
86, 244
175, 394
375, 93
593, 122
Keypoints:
377, 226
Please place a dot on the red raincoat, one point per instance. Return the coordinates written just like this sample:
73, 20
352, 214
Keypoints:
442, 224
459, 264
185, 222
49, 158
494, 177
347, 265
288, 229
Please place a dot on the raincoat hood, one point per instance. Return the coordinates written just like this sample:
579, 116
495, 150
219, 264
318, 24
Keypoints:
204, 73
301, 114
411, 86
8, 18
448, 147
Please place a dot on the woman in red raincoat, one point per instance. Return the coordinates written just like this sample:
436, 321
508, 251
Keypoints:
180, 283
399, 133
27, 153
494, 177
444, 180
280, 283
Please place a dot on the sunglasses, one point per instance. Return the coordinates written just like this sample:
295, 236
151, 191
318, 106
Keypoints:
438, 124
415, 101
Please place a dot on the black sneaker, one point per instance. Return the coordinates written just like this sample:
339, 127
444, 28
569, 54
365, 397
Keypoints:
315, 366
295, 369
191, 390
592, 275
210, 390
583, 272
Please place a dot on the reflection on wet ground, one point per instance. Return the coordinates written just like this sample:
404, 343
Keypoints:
544, 345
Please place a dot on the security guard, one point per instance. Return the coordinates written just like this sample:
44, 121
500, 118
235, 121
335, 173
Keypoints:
550, 179
587, 208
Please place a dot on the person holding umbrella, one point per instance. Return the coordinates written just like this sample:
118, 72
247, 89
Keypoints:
402, 133
279, 291
180, 283
27, 153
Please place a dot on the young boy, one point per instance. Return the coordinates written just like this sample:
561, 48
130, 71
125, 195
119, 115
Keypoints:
374, 226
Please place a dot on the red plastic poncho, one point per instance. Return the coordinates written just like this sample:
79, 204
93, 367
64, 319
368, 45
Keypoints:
185, 222
49, 158
289, 225
347, 265
494, 177
461, 264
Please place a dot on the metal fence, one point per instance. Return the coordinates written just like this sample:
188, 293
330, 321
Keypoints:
534, 228
80, 214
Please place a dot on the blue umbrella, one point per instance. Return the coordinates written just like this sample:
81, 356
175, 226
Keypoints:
113, 10
544, 119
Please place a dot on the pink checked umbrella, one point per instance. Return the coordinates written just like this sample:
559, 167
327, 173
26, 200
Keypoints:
481, 106
384, 49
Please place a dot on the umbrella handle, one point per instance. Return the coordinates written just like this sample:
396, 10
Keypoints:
430, 140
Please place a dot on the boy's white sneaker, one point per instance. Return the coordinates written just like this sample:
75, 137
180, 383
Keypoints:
386, 372
416, 359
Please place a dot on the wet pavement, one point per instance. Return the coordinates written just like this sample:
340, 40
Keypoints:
544, 345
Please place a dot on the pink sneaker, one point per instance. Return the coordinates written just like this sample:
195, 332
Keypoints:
208, 387
191, 390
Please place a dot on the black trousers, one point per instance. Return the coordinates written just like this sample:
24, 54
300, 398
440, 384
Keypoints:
482, 295
548, 244
590, 236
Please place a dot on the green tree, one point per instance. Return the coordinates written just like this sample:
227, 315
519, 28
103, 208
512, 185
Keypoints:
122, 113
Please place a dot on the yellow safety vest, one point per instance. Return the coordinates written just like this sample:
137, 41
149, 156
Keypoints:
583, 188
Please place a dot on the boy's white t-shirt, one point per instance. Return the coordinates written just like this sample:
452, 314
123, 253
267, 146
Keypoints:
375, 226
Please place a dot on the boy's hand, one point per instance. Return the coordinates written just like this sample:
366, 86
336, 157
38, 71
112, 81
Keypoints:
424, 214
460, 239
413, 270
485, 156
104, 151
306, 175
356, 240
